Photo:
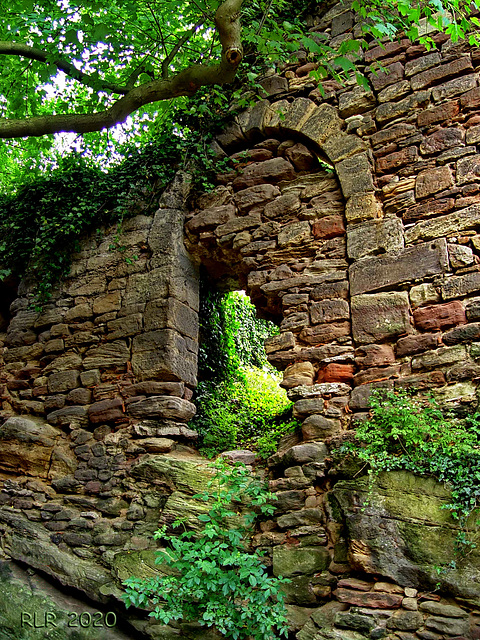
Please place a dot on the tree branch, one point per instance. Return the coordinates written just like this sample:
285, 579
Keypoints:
32, 53
186, 36
185, 83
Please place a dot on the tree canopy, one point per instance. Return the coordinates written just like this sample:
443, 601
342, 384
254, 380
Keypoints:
70, 66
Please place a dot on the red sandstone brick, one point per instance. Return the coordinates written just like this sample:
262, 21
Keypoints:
444, 112
373, 599
334, 372
411, 345
439, 316
329, 227
397, 159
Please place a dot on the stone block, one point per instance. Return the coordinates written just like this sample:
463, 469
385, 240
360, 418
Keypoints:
355, 175
439, 316
374, 355
390, 110
335, 372
374, 237
343, 145
466, 333
455, 87
113, 354
439, 72
471, 99
356, 101
418, 65
361, 207
294, 322
360, 398
324, 333
442, 357
446, 225
63, 381
171, 314
330, 290
370, 599
163, 355
322, 124
392, 74
271, 171
235, 225
424, 293
292, 561
452, 137
294, 234
412, 263
459, 286
397, 159
432, 181
297, 374
280, 343
107, 303
168, 407
208, 219
411, 345
329, 311
124, 327
106, 411
318, 427
284, 205
379, 316
442, 113
468, 169
329, 227
394, 91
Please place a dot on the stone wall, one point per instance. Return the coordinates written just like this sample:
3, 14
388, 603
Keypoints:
351, 218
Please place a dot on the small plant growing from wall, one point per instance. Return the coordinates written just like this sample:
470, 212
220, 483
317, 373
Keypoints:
215, 579
412, 434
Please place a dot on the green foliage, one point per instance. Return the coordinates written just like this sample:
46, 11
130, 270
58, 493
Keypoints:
413, 434
239, 401
216, 579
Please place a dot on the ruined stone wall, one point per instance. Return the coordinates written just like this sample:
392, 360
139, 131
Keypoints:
371, 271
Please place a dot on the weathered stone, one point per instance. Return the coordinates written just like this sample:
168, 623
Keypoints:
449, 626
376, 374
157, 445
294, 234
438, 72
300, 454
235, 225
63, 381
163, 355
292, 561
374, 355
324, 333
244, 456
440, 358
432, 181
443, 139
411, 345
271, 171
439, 316
381, 315
422, 63
355, 621
397, 159
360, 398
330, 290
171, 314
354, 102
389, 110
361, 207
279, 343
299, 373
454, 87
444, 610
441, 113
412, 263
355, 175
106, 411
304, 517
460, 256
112, 354
374, 237
459, 286
424, 293
334, 372
394, 91
466, 333
317, 427
328, 227
329, 311
405, 621
392, 74
468, 169
294, 322
372, 599
169, 407
284, 205
322, 123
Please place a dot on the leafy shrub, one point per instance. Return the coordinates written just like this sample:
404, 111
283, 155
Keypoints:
413, 434
216, 580
239, 401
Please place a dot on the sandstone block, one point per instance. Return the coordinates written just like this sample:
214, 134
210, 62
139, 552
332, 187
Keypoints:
271, 171
397, 159
171, 314
442, 226
379, 316
163, 355
390, 110
411, 345
329, 311
360, 398
334, 372
439, 358
439, 316
445, 610
63, 381
210, 218
443, 139
322, 123
330, 290
106, 411
468, 169
374, 355
405, 621
294, 322
410, 264
235, 225
317, 427
355, 175
292, 561
298, 374
362, 206
392, 74
424, 293
329, 227
283, 205
169, 407
342, 145
454, 87
459, 286
432, 75
376, 374
354, 102
418, 65
113, 354
374, 237
371, 599
324, 333
442, 113
432, 181
279, 343
449, 626
466, 333
471, 99
294, 234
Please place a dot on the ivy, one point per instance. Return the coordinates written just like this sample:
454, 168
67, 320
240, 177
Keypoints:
239, 401
404, 432
215, 578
